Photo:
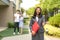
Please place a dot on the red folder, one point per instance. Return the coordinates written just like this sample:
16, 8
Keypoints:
35, 27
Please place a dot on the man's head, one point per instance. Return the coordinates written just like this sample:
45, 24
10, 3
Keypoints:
18, 11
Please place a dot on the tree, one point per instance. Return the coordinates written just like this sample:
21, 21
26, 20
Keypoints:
20, 1
49, 4
22, 10
30, 11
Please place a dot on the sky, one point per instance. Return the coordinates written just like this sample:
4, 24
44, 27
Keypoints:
28, 3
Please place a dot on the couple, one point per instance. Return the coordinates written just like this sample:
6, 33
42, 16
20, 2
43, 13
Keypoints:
18, 21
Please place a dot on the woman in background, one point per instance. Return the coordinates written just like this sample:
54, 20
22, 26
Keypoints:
21, 22
40, 20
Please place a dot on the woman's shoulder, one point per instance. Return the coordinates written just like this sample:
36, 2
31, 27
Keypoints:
43, 16
32, 18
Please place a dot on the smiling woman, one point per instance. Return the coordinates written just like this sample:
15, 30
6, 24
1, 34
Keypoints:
26, 4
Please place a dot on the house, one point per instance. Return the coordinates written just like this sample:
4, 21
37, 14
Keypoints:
7, 9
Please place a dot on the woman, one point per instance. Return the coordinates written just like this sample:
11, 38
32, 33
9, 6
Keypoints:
21, 22
40, 20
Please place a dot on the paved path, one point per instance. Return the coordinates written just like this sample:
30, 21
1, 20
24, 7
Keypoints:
19, 37
51, 38
2, 28
27, 37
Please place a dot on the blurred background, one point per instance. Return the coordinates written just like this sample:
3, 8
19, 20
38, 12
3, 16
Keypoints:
50, 10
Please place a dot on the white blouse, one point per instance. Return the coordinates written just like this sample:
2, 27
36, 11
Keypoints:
36, 18
21, 18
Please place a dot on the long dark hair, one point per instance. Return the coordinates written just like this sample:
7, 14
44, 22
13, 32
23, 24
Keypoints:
40, 14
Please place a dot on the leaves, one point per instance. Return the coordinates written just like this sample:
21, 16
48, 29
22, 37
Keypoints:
20, 1
49, 4
30, 11
55, 20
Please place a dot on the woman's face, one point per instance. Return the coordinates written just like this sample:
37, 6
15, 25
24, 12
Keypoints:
38, 11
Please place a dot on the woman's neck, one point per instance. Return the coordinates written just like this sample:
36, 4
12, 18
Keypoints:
37, 15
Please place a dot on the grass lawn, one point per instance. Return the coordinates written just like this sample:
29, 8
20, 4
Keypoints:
9, 32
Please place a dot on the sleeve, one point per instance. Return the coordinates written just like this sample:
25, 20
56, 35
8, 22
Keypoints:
31, 23
21, 18
43, 19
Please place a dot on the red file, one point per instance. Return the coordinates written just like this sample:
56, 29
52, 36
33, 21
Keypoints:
35, 27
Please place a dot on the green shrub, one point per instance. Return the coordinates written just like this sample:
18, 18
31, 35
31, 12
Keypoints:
52, 30
55, 20
10, 24
26, 20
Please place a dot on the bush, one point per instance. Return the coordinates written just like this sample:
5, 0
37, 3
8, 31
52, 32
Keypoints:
10, 24
55, 20
26, 20
52, 30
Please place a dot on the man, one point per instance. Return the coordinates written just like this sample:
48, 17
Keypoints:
16, 21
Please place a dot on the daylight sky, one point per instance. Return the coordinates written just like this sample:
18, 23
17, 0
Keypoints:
28, 3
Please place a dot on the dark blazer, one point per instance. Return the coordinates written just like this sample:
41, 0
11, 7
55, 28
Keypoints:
40, 21
40, 34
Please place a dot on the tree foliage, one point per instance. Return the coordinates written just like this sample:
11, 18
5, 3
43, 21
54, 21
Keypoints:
22, 10
49, 4
46, 5
20, 1
55, 20
30, 11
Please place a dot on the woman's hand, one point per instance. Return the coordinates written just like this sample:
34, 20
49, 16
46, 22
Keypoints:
33, 33
43, 23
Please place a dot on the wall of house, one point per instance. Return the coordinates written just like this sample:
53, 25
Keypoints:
6, 14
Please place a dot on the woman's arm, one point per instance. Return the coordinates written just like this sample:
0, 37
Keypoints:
31, 23
43, 20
